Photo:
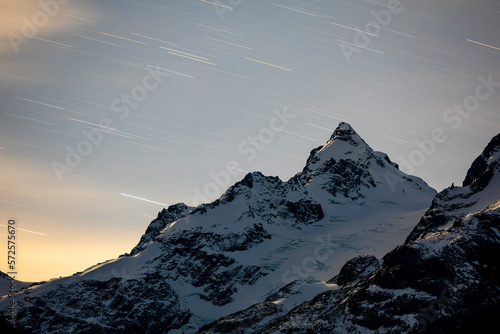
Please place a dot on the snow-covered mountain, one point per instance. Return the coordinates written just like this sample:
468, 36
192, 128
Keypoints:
443, 279
196, 265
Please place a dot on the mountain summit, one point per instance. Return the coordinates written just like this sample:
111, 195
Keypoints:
195, 265
344, 143
443, 279
347, 168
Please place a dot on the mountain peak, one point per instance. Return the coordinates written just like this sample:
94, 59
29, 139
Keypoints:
349, 169
483, 167
343, 132
165, 218
481, 188
344, 143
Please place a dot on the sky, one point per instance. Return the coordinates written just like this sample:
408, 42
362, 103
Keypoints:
112, 110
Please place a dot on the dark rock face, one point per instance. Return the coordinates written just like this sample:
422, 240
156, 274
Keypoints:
121, 306
242, 320
305, 210
165, 217
481, 170
197, 258
248, 320
356, 269
454, 201
344, 132
387, 159
348, 179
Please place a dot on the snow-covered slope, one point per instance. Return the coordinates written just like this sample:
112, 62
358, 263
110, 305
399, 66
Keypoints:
6, 283
443, 279
195, 265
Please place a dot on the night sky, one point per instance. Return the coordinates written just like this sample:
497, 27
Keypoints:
112, 110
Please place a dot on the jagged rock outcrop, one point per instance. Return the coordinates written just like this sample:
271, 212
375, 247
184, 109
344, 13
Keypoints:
165, 218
